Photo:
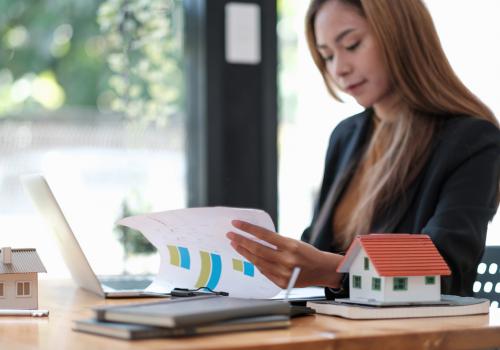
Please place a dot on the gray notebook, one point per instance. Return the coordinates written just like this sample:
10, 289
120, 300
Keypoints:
136, 331
184, 312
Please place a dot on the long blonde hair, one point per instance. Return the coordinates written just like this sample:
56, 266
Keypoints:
429, 90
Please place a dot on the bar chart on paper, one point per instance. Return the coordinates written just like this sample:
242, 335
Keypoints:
243, 266
196, 253
211, 270
211, 265
179, 256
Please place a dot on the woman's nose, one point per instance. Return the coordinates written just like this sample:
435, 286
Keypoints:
339, 68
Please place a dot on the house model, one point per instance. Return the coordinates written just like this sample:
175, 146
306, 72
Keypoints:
19, 270
394, 269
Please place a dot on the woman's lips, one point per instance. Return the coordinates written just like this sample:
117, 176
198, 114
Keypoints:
354, 88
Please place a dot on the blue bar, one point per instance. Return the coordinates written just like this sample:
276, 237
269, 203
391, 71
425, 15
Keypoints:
248, 269
216, 271
185, 261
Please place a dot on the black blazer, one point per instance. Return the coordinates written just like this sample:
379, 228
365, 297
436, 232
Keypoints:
452, 199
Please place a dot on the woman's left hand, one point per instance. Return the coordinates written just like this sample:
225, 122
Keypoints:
317, 268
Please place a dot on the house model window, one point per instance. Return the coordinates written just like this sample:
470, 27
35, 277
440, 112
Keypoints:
393, 269
23, 289
1, 290
356, 281
400, 283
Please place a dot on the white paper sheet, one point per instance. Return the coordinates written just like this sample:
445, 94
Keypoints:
195, 251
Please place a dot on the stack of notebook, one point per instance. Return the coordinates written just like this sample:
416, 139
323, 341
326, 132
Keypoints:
186, 316
449, 305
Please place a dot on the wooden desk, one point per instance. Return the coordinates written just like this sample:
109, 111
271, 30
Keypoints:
67, 303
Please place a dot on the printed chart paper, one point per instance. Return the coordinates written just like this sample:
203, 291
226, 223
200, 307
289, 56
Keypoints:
195, 252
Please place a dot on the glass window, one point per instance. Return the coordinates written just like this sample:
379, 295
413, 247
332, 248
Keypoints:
356, 281
20, 290
430, 280
367, 263
91, 96
1, 290
400, 283
27, 288
376, 283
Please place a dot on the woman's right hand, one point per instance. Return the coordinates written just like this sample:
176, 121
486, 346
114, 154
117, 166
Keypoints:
317, 268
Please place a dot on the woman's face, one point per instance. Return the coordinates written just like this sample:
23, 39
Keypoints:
352, 57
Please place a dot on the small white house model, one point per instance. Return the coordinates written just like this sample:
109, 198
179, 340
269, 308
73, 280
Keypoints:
19, 270
394, 269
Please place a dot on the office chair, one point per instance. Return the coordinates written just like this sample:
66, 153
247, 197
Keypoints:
487, 283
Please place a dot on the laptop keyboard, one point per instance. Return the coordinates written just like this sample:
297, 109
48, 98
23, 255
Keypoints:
127, 284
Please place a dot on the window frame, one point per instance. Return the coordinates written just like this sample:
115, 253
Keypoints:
430, 280
218, 174
24, 295
355, 280
376, 281
396, 284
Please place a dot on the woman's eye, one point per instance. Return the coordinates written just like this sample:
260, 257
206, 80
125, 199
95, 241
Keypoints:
353, 46
328, 58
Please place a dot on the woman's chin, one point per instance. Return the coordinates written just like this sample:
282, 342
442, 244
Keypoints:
363, 102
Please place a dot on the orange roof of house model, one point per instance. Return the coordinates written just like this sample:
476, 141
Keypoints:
398, 255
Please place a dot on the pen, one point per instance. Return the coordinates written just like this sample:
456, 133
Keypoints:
291, 282
34, 313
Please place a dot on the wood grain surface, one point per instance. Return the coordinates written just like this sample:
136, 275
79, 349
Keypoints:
68, 303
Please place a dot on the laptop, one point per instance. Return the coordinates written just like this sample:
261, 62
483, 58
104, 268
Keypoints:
122, 286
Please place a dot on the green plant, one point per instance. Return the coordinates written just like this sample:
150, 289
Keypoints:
144, 44
133, 241
51, 57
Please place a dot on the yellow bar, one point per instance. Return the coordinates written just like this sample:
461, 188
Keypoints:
206, 266
238, 265
174, 255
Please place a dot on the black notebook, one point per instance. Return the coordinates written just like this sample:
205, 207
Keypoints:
135, 331
186, 312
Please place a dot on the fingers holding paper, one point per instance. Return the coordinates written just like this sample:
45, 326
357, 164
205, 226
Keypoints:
277, 256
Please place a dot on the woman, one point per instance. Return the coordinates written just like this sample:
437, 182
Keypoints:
424, 157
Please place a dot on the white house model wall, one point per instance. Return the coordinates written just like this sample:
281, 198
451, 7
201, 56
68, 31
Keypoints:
417, 289
394, 268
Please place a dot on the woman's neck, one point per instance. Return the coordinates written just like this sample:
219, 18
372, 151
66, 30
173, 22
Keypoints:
388, 109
